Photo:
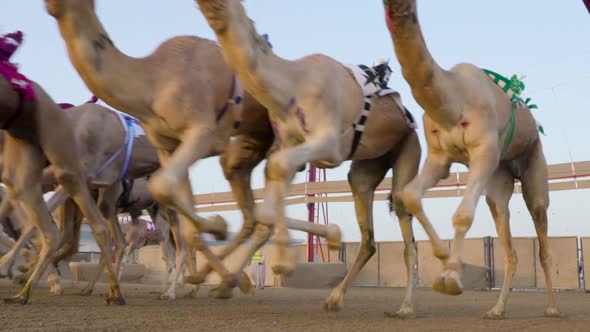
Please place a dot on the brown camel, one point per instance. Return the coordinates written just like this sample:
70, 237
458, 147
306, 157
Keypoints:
470, 120
314, 120
190, 104
36, 129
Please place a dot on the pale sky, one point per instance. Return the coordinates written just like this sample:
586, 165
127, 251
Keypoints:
546, 41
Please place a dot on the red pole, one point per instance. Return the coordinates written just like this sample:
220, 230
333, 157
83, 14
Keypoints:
311, 215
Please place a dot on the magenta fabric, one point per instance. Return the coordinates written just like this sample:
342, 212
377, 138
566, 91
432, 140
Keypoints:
65, 106
20, 83
9, 43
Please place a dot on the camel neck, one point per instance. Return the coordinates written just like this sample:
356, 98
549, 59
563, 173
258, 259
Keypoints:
105, 70
246, 52
419, 69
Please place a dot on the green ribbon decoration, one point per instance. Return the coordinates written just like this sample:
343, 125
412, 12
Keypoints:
514, 88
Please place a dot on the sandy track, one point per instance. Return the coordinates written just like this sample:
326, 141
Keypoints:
287, 309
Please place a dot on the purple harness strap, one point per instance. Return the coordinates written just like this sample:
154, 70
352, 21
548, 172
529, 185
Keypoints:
127, 147
230, 100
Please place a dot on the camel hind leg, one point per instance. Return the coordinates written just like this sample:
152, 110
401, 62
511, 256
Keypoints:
405, 169
498, 193
364, 176
21, 176
536, 196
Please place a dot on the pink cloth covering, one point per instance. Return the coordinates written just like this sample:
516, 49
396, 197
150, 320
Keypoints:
22, 85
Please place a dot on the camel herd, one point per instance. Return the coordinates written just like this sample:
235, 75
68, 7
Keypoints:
194, 98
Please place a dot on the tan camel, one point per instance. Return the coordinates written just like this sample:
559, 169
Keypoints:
470, 120
110, 151
190, 104
314, 120
36, 131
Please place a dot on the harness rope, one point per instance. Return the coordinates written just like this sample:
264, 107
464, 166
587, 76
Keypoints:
127, 147
231, 100
513, 87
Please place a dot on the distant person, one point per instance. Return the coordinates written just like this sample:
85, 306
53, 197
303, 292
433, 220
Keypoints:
258, 269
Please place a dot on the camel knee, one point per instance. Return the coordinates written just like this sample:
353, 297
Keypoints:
511, 262
410, 199
163, 187
462, 220
277, 167
539, 212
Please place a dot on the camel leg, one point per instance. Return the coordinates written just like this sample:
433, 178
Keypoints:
53, 278
364, 176
181, 255
498, 193
483, 163
163, 230
72, 221
7, 260
404, 170
107, 201
536, 196
238, 160
21, 177
280, 170
434, 169
173, 174
191, 267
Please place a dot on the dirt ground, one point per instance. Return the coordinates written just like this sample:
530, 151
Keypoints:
286, 310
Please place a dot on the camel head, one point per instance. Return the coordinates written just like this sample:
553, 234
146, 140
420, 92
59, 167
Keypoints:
59, 8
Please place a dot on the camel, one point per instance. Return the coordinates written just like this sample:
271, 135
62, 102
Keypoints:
313, 118
36, 129
190, 104
470, 120
134, 199
113, 150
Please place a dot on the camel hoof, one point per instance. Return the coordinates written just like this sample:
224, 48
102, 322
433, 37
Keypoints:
58, 292
286, 267
191, 295
553, 313
334, 237
494, 315
19, 299
218, 227
85, 292
334, 302
450, 285
222, 293
402, 313
195, 279
168, 297
118, 300
244, 284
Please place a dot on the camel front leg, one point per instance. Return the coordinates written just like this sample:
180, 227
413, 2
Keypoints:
498, 193
238, 160
435, 168
173, 174
280, 170
364, 176
482, 165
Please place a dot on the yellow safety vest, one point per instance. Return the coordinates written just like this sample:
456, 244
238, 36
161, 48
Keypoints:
257, 257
